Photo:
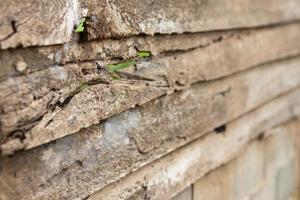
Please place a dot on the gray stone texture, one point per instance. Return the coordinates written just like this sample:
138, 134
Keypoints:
32, 23
211, 113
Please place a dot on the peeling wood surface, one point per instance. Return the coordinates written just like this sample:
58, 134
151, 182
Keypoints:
31, 105
26, 23
169, 175
87, 161
219, 74
161, 46
30, 23
116, 19
103, 153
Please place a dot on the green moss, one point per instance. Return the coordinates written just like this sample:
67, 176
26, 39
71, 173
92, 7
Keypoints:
113, 68
80, 26
118, 66
143, 54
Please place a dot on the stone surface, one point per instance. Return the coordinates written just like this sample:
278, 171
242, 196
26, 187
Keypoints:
249, 171
268, 190
218, 184
117, 18
113, 18
45, 94
78, 165
73, 94
246, 177
30, 23
192, 49
286, 182
279, 151
183, 167
212, 113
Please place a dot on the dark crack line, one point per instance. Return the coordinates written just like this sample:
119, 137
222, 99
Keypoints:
14, 31
76, 91
224, 35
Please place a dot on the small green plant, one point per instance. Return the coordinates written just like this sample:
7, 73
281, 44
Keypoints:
113, 68
118, 66
143, 54
80, 26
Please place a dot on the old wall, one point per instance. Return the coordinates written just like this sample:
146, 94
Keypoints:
151, 99
268, 168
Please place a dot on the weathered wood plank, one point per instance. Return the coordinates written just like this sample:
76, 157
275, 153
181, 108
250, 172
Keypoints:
27, 105
171, 174
271, 42
114, 18
83, 163
27, 23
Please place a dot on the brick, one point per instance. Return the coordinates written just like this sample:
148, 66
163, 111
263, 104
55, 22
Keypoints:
238, 179
279, 150
249, 173
245, 176
280, 163
160, 187
286, 182
218, 184
297, 164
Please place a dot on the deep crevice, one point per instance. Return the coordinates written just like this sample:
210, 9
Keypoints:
220, 129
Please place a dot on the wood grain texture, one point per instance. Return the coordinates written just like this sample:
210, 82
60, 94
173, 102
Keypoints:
26, 23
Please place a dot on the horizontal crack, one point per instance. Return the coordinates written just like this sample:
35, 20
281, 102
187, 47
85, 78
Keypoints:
223, 35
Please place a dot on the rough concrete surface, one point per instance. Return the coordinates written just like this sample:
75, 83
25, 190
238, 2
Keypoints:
26, 23
163, 48
32, 106
148, 98
265, 170
78, 165
169, 175
29, 23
